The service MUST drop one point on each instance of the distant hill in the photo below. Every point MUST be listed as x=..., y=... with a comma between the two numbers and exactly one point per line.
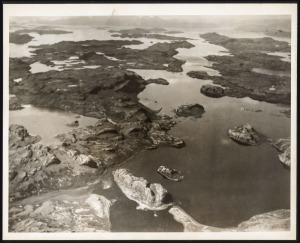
x=248, y=23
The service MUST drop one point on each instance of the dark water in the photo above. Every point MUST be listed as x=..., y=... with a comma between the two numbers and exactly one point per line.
x=225, y=183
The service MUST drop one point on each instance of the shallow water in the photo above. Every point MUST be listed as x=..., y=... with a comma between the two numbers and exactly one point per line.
x=47, y=122
x=225, y=183
x=272, y=72
x=286, y=56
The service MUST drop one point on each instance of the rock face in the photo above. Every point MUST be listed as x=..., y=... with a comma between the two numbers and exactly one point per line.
x=278, y=220
x=212, y=91
x=194, y=110
x=148, y=196
x=245, y=135
x=62, y=215
x=284, y=145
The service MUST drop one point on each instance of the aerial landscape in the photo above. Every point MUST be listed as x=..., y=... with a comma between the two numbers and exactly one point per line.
x=149, y=124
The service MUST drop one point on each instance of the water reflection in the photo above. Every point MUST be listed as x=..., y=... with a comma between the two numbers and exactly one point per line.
x=47, y=122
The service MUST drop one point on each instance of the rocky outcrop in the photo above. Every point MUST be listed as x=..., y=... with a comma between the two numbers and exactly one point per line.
x=160, y=138
x=171, y=174
x=62, y=214
x=283, y=145
x=157, y=81
x=278, y=220
x=212, y=91
x=145, y=33
x=114, y=141
x=198, y=74
x=130, y=82
x=19, y=136
x=194, y=110
x=33, y=167
x=245, y=135
x=190, y=224
x=148, y=196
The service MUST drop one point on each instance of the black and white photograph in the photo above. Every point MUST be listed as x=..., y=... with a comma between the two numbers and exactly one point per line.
x=149, y=121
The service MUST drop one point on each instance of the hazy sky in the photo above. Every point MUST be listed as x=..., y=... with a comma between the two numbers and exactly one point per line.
x=192, y=21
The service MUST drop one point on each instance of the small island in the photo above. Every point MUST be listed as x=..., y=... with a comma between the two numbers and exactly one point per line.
x=171, y=174
x=145, y=33
x=19, y=39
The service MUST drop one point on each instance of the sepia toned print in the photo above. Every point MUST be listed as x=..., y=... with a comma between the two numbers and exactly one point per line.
x=153, y=123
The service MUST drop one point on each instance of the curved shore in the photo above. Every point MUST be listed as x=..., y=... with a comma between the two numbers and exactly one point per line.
x=278, y=220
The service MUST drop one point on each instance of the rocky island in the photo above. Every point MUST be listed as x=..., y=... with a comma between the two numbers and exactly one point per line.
x=245, y=135
x=19, y=39
x=43, y=31
x=146, y=33
x=171, y=174
x=212, y=91
x=283, y=145
x=194, y=110
x=148, y=196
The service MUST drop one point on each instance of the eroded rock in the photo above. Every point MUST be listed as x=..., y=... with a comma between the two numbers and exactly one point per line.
x=212, y=91
x=19, y=136
x=245, y=135
x=160, y=138
x=148, y=196
x=171, y=174
x=283, y=145
x=194, y=110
